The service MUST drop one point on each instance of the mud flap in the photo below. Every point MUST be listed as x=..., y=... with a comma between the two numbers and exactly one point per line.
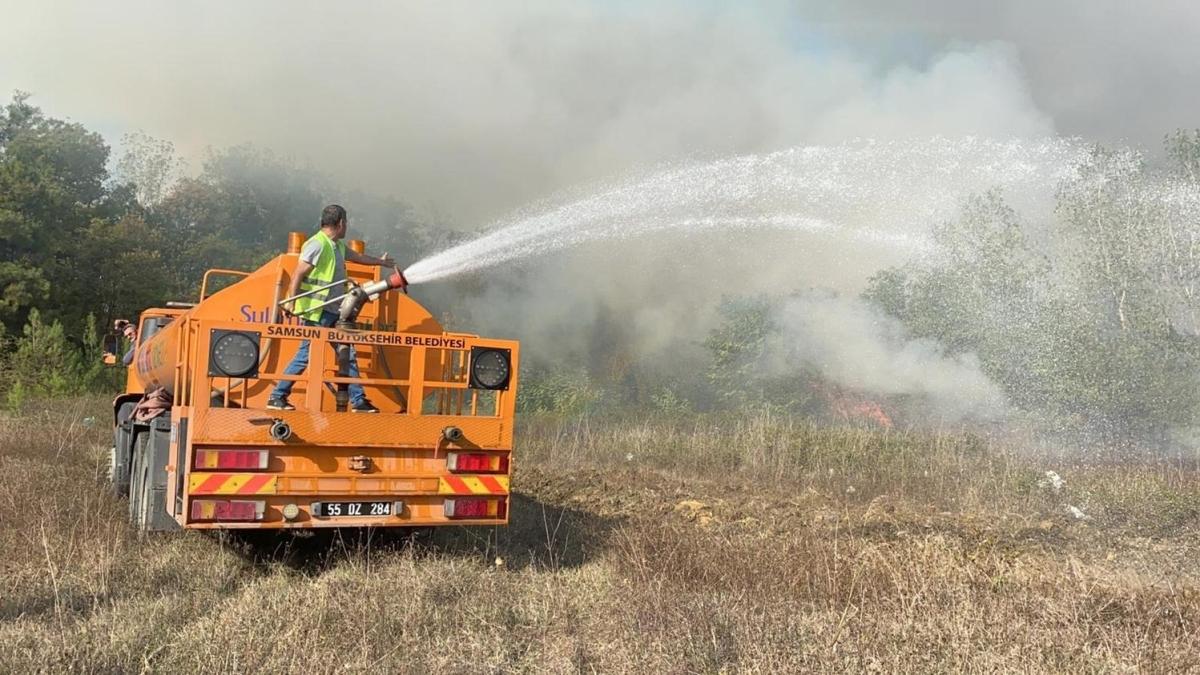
x=148, y=488
x=122, y=450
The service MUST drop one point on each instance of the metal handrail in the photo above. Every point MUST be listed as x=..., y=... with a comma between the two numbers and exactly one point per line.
x=310, y=292
x=204, y=283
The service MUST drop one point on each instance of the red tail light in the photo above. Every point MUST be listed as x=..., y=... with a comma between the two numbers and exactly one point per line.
x=476, y=462
x=475, y=508
x=232, y=459
x=222, y=510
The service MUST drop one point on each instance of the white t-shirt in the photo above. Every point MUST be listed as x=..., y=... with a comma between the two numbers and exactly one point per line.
x=312, y=251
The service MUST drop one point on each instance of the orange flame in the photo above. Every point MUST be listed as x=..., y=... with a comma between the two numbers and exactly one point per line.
x=852, y=407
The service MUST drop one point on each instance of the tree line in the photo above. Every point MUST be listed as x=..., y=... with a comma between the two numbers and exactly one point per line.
x=81, y=246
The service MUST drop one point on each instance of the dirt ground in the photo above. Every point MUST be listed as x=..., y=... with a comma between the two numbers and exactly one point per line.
x=644, y=547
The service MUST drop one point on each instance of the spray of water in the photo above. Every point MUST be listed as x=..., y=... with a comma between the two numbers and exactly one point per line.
x=886, y=193
x=1063, y=196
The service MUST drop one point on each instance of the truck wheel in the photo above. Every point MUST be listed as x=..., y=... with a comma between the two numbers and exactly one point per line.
x=137, y=477
x=118, y=470
x=114, y=474
x=142, y=518
x=147, y=489
x=121, y=453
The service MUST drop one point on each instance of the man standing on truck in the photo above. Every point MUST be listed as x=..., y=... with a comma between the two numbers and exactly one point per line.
x=323, y=262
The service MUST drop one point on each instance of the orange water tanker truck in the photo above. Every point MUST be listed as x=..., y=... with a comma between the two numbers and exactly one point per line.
x=196, y=447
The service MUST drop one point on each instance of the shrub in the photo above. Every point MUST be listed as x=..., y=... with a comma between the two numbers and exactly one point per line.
x=563, y=391
x=44, y=362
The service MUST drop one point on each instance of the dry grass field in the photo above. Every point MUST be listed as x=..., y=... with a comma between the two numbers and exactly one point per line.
x=761, y=545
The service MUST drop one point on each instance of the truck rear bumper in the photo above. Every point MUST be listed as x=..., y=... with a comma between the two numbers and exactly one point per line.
x=313, y=512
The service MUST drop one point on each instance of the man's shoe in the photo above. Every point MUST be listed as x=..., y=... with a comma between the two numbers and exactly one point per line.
x=364, y=407
x=278, y=403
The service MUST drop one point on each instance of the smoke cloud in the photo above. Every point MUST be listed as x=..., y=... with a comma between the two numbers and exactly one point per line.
x=473, y=109
x=853, y=344
x=1107, y=70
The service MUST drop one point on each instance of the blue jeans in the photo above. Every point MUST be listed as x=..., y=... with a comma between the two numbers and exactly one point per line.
x=300, y=362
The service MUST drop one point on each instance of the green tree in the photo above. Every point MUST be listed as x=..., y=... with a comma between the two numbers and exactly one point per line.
x=130, y=273
x=43, y=363
x=237, y=214
x=1128, y=278
x=983, y=293
x=737, y=345
x=1086, y=336
x=150, y=165
x=52, y=177
x=1183, y=149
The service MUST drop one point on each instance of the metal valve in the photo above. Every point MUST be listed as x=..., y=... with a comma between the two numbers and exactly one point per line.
x=280, y=430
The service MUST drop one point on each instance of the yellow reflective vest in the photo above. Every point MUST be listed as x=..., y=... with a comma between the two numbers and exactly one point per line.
x=320, y=275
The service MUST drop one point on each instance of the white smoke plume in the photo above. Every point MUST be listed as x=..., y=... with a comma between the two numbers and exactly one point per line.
x=473, y=109
x=853, y=344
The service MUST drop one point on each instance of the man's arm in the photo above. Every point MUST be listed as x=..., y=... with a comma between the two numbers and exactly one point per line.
x=363, y=259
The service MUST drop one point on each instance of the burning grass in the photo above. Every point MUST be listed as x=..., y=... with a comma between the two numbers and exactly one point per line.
x=760, y=544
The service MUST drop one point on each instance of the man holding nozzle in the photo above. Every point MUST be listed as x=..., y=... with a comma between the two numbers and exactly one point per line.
x=323, y=266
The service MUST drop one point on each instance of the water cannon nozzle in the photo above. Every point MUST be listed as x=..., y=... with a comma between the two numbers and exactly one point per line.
x=397, y=281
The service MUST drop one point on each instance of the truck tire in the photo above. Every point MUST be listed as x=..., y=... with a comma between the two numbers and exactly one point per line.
x=145, y=502
x=148, y=483
x=121, y=453
x=136, y=478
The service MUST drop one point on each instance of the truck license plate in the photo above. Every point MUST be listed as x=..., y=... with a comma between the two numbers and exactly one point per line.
x=336, y=509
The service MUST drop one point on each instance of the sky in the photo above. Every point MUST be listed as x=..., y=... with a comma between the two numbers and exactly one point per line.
x=473, y=110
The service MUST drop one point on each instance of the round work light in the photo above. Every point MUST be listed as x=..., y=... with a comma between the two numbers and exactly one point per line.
x=234, y=354
x=490, y=368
